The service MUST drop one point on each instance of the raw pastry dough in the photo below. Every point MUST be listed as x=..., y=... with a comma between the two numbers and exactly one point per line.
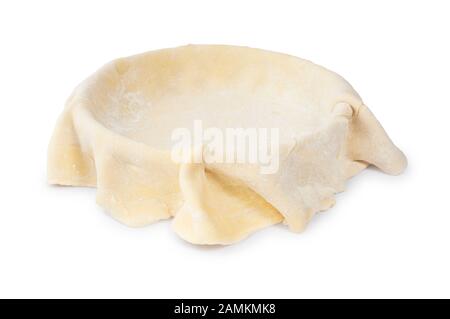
x=115, y=134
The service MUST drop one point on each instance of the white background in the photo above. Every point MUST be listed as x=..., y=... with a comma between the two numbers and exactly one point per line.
x=386, y=237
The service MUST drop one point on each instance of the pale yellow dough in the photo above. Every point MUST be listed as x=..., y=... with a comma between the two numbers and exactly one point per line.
x=115, y=131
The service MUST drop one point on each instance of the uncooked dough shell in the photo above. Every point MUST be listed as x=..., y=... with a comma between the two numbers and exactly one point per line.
x=114, y=134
